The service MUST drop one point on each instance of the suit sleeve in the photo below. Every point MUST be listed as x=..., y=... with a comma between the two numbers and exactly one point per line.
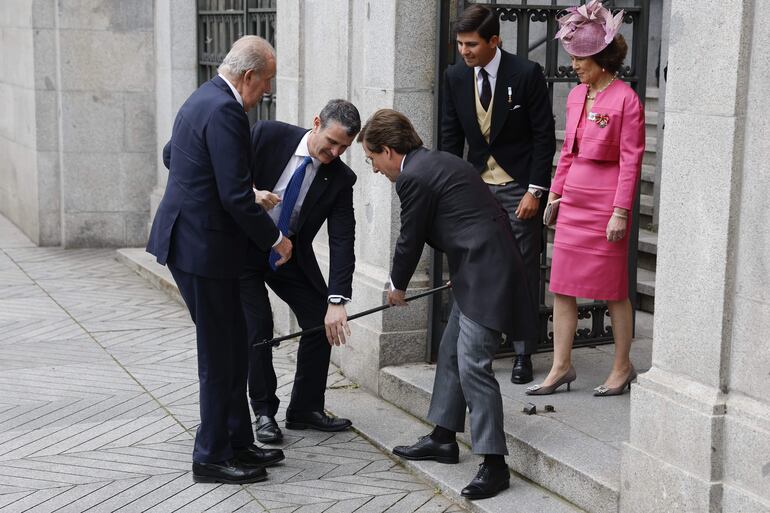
x=341, y=226
x=227, y=138
x=632, y=140
x=542, y=129
x=452, y=135
x=167, y=155
x=416, y=205
x=562, y=168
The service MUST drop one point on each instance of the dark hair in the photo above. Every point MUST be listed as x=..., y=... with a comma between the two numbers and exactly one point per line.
x=481, y=19
x=611, y=58
x=343, y=113
x=390, y=128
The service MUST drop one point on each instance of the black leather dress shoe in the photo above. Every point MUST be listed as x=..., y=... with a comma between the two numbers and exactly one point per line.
x=428, y=449
x=230, y=472
x=489, y=481
x=522, y=369
x=254, y=456
x=267, y=430
x=315, y=420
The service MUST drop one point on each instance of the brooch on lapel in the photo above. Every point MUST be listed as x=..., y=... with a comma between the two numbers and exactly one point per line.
x=600, y=119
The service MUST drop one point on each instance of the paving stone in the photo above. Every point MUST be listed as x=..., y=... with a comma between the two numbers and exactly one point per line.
x=99, y=404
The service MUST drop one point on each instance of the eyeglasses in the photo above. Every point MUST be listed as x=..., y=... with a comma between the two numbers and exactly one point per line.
x=368, y=161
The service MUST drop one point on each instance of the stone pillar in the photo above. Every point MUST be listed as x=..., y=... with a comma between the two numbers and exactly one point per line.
x=176, y=76
x=700, y=418
x=375, y=54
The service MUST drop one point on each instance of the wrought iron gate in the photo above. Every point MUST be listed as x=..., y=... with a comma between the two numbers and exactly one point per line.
x=220, y=24
x=532, y=27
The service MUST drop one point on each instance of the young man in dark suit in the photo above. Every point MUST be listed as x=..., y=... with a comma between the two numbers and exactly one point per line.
x=498, y=103
x=302, y=183
x=201, y=231
x=445, y=204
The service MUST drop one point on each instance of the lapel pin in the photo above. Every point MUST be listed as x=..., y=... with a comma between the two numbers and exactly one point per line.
x=510, y=94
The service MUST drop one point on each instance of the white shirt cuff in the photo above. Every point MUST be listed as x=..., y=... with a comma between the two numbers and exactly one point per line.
x=279, y=239
x=532, y=186
x=338, y=296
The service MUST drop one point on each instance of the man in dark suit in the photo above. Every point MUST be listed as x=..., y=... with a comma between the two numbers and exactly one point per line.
x=498, y=103
x=201, y=232
x=445, y=204
x=324, y=193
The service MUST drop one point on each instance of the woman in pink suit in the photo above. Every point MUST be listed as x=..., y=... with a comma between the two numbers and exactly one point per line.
x=595, y=183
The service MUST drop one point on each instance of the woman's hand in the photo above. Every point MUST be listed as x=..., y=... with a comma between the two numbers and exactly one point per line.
x=552, y=196
x=616, y=226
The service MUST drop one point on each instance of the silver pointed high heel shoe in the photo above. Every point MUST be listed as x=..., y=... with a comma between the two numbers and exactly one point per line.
x=604, y=390
x=568, y=378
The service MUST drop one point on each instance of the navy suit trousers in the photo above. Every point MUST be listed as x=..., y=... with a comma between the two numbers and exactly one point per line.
x=309, y=305
x=215, y=308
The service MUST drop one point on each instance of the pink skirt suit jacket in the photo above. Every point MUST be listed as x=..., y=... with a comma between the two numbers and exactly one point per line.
x=598, y=170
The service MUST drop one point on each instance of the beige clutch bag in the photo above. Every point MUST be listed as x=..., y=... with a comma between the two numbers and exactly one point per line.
x=551, y=211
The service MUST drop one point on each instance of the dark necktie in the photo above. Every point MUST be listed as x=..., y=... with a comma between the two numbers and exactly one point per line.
x=290, y=196
x=486, y=89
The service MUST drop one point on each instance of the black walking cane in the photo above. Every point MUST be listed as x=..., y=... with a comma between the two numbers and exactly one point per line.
x=276, y=341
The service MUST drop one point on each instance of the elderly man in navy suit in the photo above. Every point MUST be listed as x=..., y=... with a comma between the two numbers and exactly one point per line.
x=300, y=179
x=201, y=231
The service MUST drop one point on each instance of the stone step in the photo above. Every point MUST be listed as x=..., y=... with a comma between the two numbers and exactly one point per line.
x=402, y=428
x=580, y=468
x=647, y=184
x=652, y=95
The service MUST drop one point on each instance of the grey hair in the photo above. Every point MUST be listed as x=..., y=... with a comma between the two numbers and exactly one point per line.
x=248, y=52
x=343, y=113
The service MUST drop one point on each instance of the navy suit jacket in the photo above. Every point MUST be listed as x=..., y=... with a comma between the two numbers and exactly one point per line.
x=208, y=213
x=522, y=137
x=329, y=199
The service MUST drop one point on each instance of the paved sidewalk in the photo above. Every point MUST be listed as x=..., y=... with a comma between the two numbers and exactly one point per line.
x=98, y=403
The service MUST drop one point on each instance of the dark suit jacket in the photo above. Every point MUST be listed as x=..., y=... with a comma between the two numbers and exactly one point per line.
x=522, y=139
x=445, y=203
x=208, y=213
x=329, y=199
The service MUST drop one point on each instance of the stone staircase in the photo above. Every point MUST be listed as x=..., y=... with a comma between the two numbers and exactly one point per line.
x=648, y=237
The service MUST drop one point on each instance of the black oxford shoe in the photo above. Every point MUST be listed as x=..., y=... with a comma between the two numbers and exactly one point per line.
x=489, y=481
x=522, y=369
x=315, y=420
x=229, y=472
x=428, y=449
x=254, y=456
x=267, y=430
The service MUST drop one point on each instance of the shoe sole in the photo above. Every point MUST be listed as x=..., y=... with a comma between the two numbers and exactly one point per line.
x=486, y=495
x=211, y=479
x=522, y=381
x=440, y=459
x=269, y=439
x=302, y=425
x=267, y=463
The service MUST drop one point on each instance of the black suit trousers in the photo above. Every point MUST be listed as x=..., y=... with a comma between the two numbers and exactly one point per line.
x=309, y=306
x=215, y=309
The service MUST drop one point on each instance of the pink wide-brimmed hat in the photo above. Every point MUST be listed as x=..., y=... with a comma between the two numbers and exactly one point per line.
x=587, y=29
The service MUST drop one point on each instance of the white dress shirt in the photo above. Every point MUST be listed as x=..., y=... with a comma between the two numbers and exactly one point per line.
x=280, y=187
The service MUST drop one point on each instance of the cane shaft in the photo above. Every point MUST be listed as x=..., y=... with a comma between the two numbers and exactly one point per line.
x=277, y=340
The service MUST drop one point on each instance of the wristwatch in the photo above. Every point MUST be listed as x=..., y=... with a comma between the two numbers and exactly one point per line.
x=337, y=301
x=537, y=193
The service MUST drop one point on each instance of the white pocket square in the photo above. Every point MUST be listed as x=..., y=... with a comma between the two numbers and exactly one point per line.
x=515, y=107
